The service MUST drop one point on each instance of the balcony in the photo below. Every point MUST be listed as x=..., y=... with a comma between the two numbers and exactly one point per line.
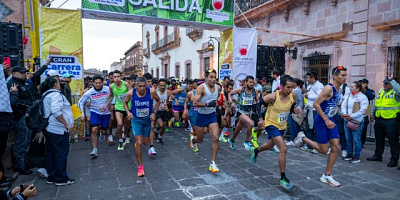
x=246, y=5
x=166, y=43
x=194, y=33
x=254, y=9
x=146, y=53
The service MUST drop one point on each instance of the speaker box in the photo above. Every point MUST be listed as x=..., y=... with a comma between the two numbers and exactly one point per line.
x=15, y=59
x=11, y=37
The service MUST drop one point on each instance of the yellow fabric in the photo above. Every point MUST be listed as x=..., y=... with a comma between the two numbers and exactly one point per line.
x=386, y=101
x=76, y=112
x=278, y=112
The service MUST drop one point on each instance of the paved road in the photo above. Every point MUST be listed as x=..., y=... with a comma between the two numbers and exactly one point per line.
x=178, y=173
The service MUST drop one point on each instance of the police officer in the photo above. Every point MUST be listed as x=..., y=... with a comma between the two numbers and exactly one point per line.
x=386, y=113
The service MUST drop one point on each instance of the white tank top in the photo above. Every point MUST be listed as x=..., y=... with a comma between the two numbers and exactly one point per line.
x=163, y=100
x=207, y=98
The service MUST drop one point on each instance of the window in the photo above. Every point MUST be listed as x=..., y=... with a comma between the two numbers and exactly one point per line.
x=188, y=72
x=158, y=73
x=177, y=72
x=393, y=64
x=318, y=63
x=165, y=31
x=152, y=72
x=166, y=70
x=206, y=64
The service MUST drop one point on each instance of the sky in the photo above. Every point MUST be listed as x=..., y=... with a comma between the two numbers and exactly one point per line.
x=104, y=42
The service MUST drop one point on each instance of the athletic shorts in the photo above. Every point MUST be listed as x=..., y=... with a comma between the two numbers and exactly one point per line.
x=204, y=120
x=120, y=111
x=99, y=120
x=322, y=133
x=192, y=119
x=177, y=108
x=272, y=132
x=163, y=115
x=141, y=127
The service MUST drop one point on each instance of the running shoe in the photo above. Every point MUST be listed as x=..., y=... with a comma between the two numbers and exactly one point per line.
x=159, y=140
x=275, y=149
x=121, y=146
x=170, y=122
x=314, y=151
x=226, y=134
x=214, y=168
x=255, y=143
x=68, y=182
x=110, y=140
x=93, y=153
x=232, y=144
x=43, y=173
x=290, y=143
x=253, y=157
x=193, y=146
x=222, y=139
x=140, y=171
x=177, y=125
x=355, y=160
x=299, y=139
x=329, y=151
x=305, y=148
x=286, y=184
x=329, y=180
x=348, y=157
x=344, y=153
x=247, y=145
x=127, y=140
x=166, y=130
x=152, y=151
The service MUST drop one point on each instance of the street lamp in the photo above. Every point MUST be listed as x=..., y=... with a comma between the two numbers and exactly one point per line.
x=288, y=50
x=211, y=48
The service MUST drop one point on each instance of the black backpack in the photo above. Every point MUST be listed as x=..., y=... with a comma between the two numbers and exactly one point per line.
x=35, y=119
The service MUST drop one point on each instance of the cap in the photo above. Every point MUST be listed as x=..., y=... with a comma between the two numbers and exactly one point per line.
x=19, y=69
x=67, y=75
x=267, y=88
x=386, y=81
x=52, y=73
x=364, y=80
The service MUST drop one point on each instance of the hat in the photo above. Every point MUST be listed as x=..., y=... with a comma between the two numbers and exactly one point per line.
x=67, y=75
x=19, y=69
x=52, y=73
x=364, y=80
x=267, y=88
x=386, y=81
x=264, y=79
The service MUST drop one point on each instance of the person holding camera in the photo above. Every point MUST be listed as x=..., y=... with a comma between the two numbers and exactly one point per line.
x=19, y=193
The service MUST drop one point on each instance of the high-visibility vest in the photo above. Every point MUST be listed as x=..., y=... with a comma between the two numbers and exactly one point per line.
x=386, y=105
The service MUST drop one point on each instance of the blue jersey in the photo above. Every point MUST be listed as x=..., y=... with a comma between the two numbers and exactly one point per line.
x=142, y=107
x=330, y=106
x=192, y=109
x=181, y=97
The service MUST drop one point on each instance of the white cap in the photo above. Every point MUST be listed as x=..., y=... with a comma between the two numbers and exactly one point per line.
x=52, y=73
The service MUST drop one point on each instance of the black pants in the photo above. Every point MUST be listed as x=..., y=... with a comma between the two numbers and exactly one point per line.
x=3, y=145
x=389, y=128
x=57, y=149
x=365, y=129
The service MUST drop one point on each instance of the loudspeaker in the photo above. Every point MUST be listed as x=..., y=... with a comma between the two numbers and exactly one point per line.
x=11, y=37
x=15, y=59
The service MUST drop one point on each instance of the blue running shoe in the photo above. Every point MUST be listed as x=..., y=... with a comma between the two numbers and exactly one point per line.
x=232, y=144
x=253, y=157
x=247, y=145
x=286, y=184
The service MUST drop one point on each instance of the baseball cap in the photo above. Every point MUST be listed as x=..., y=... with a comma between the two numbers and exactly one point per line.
x=267, y=88
x=67, y=75
x=364, y=80
x=386, y=81
x=19, y=69
x=52, y=73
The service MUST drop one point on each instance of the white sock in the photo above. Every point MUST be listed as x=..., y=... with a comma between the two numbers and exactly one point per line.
x=233, y=121
x=223, y=131
x=121, y=140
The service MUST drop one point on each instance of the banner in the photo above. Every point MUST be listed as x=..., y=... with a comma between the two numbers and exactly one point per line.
x=244, y=53
x=207, y=14
x=226, y=54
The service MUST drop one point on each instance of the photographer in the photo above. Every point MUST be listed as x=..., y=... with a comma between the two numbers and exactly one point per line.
x=17, y=194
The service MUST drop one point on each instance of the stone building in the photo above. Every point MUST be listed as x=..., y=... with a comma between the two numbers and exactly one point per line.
x=132, y=63
x=362, y=35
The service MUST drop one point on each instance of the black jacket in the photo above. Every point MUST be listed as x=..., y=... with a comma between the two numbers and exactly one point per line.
x=25, y=96
x=370, y=94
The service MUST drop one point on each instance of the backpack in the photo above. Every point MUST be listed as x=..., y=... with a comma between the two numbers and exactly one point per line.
x=35, y=119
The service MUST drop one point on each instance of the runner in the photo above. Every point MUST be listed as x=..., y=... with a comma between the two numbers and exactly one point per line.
x=247, y=95
x=192, y=111
x=205, y=100
x=142, y=114
x=172, y=86
x=149, y=83
x=100, y=97
x=276, y=118
x=120, y=89
x=178, y=101
x=113, y=122
x=327, y=133
x=224, y=117
x=162, y=115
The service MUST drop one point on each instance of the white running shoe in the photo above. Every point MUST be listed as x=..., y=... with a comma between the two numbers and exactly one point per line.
x=329, y=180
x=298, y=141
x=275, y=149
x=43, y=173
x=94, y=152
x=213, y=167
x=314, y=151
x=290, y=143
x=127, y=140
x=344, y=153
x=329, y=151
x=152, y=151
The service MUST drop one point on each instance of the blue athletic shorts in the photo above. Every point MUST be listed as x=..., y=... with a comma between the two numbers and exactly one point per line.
x=177, y=108
x=272, y=131
x=99, y=120
x=192, y=119
x=322, y=133
x=203, y=120
x=141, y=127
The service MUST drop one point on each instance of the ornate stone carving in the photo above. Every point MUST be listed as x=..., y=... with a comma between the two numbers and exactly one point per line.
x=306, y=7
x=334, y=2
x=384, y=45
x=286, y=14
x=267, y=21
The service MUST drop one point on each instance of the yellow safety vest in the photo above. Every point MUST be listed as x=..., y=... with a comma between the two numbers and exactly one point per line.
x=386, y=105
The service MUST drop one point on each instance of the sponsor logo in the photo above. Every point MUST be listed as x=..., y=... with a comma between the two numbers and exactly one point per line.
x=218, y=5
x=216, y=14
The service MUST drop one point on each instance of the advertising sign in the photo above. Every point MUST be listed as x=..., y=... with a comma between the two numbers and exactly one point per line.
x=225, y=72
x=65, y=64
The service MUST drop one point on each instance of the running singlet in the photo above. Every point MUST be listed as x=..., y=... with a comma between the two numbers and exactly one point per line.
x=208, y=96
x=192, y=109
x=97, y=100
x=278, y=112
x=181, y=97
x=163, y=100
x=246, y=101
x=119, y=95
x=142, y=107
x=330, y=106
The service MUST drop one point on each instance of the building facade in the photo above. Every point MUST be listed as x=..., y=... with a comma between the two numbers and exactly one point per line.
x=362, y=35
x=178, y=52
x=132, y=63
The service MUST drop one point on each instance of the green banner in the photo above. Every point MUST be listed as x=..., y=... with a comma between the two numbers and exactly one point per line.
x=189, y=13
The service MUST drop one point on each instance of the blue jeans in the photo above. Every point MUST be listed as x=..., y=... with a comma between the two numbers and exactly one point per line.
x=22, y=140
x=57, y=150
x=339, y=121
x=353, y=137
x=294, y=128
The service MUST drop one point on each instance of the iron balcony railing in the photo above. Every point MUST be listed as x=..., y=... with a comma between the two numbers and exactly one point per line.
x=246, y=5
x=190, y=30
x=164, y=41
x=145, y=51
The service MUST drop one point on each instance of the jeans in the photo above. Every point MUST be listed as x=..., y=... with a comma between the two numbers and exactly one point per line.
x=22, y=139
x=389, y=128
x=3, y=146
x=339, y=121
x=364, y=130
x=294, y=128
x=57, y=149
x=353, y=137
x=310, y=134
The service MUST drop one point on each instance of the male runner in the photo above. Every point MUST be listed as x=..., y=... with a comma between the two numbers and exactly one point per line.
x=178, y=101
x=142, y=114
x=149, y=83
x=113, y=122
x=247, y=95
x=225, y=116
x=162, y=115
x=205, y=100
x=120, y=89
x=327, y=133
x=100, y=97
x=192, y=111
x=276, y=118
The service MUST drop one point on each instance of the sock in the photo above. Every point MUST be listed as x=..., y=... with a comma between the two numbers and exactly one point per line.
x=256, y=152
x=283, y=175
x=223, y=131
x=121, y=140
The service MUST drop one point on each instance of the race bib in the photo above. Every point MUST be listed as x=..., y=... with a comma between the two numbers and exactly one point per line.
x=121, y=97
x=181, y=99
x=144, y=112
x=247, y=101
x=283, y=117
x=332, y=111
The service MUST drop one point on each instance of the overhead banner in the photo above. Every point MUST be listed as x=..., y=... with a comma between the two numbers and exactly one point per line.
x=244, y=53
x=226, y=54
x=207, y=14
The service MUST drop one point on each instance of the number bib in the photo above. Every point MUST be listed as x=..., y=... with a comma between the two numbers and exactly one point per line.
x=144, y=112
x=121, y=97
x=247, y=101
x=162, y=105
x=332, y=111
x=283, y=117
x=181, y=99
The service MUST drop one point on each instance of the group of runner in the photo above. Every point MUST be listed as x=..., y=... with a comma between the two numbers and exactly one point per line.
x=207, y=106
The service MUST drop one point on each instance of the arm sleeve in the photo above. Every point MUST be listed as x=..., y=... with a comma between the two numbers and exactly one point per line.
x=56, y=105
x=396, y=87
x=82, y=101
x=14, y=96
x=39, y=72
x=363, y=108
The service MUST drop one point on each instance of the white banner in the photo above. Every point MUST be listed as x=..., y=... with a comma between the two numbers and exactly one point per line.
x=244, y=53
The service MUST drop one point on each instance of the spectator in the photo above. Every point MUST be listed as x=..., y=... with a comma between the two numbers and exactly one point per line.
x=344, y=91
x=66, y=80
x=59, y=113
x=16, y=194
x=276, y=83
x=264, y=82
x=371, y=96
x=257, y=85
x=294, y=126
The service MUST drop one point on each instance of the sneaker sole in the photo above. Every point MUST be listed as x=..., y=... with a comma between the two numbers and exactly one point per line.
x=212, y=171
x=64, y=184
x=93, y=155
x=329, y=183
x=49, y=183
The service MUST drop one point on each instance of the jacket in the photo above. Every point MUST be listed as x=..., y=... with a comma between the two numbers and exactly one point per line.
x=25, y=99
x=348, y=105
x=54, y=105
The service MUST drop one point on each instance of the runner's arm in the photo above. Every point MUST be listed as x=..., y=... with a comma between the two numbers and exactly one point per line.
x=197, y=96
x=82, y=102
x=236, y=91
x=187, y=100
x=110, y=98
x=155, y=96
x=296, y=106
x=178, y=90
x=126, y=101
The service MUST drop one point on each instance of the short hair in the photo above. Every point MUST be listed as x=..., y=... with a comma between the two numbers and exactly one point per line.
x=312, y=75
x=230, y=84
x=116, y=72
x=226, y=77
x=111, y=73
x=162, y=80
x=249, y=78
x=95, y=77
x=285, y=79
x=148, y=76
x=208, y=72
x=276, y=72
x=154, y=81
x=133, y=77
x=336, y=71
x=140, y=79
x=190, y=82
